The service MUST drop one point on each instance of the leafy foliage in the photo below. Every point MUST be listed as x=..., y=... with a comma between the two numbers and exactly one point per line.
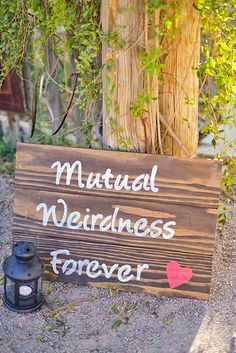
x=217, y=72
x=70, y=29
x=15, y=27
x=7, y=155
x=7, y=149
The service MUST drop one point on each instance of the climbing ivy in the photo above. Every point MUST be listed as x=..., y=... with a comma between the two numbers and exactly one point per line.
x=15, y=26
x=74, y=25
x=73, y=28
x=151, y=57
x=217, y=72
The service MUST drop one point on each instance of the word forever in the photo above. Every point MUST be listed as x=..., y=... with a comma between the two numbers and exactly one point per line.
x=93, y=269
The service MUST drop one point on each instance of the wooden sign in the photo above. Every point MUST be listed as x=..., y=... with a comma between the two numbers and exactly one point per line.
x=141, y=222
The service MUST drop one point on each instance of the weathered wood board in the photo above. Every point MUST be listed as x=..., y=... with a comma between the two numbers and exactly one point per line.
x=140, y=222
x=11, y=98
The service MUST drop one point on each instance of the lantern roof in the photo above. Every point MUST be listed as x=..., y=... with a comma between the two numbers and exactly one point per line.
x=23, y=264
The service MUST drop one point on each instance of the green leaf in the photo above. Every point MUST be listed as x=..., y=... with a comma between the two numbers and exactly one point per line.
x=114, y=309
x=213, y=142
x=212, y=62
x=224, y=45
x=205, y=130
x=205, y=51
x=168, y=23
x=116, y=323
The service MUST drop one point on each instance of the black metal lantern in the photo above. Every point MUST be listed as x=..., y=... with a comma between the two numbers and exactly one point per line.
x=23, y=278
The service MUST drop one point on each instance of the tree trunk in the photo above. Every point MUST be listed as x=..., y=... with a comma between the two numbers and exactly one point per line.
x=169, y=125
x=122, y=77
x=179, y=93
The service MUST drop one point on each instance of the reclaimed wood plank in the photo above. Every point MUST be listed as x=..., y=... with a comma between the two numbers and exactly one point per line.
x=180, y=181
x=153, y=281
x=194, y=230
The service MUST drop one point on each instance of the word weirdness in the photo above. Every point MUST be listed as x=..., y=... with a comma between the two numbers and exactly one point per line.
x=88, y=222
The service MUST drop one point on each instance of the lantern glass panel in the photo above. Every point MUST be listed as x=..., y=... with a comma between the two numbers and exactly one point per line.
x=28, y=293
x=10, y=290
x=40, y=286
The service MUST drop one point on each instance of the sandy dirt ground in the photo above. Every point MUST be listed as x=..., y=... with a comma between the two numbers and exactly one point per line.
x=115, y=322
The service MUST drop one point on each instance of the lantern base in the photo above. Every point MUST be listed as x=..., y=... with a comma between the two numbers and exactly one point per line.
x=21, y=310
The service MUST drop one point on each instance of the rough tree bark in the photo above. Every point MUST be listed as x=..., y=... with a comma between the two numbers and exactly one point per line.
x=169, y=125
x=179, y=93
x=122, y=78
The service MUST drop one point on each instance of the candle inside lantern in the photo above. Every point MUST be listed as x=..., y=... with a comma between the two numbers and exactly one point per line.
x=25, y=290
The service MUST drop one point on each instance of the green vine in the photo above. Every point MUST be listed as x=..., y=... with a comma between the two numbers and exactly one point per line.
x=217, y=72
x=73, y=29
x=15, y=26
x=80, y=31
x=150, y=57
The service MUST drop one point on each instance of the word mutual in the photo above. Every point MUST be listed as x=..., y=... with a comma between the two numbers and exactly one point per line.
x=145, y=181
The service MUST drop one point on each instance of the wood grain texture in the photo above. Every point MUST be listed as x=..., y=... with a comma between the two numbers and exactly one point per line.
x=194, y=227
x=122, y=69
x=11, y=98
x=180, y=82
x=188, y=194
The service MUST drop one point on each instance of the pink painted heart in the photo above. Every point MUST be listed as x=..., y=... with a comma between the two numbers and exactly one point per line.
x=177, y=275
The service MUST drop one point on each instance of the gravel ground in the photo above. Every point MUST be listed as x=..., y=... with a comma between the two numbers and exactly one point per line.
x=123, y=322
